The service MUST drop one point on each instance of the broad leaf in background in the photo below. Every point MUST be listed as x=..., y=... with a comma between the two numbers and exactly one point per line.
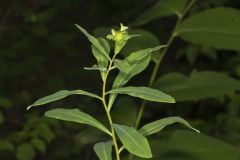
x=75, y=115
x=133, y=141
x=218, y=28
x=125, y=107
x=101, y=59
x=103, y=150
x=146, y=40
x=158, y=125
x=60, y=95
x=138, y=60
x=191, y=146
x=98, y=43
x=199, y=85
x=162, y=8
x=145, y=93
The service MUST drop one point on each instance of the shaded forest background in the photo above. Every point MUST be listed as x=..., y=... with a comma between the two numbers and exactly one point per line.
x=41, y=51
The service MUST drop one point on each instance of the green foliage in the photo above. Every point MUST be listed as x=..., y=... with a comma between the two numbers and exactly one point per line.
x=136, y=62
x=133, y=141
x=162, y=8
x=41, y=54
x=158, y=125
x=217, y=27
x=75, y=115
x=144, y=93
x=190, y=146
x=60, y=95
x=199, y=85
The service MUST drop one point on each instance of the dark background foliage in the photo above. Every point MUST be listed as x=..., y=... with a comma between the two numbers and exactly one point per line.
x=41, y=51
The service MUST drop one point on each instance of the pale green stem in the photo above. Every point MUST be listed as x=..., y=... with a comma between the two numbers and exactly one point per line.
x=106, y=108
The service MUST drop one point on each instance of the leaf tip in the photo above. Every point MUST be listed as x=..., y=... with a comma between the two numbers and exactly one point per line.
x=29, y=107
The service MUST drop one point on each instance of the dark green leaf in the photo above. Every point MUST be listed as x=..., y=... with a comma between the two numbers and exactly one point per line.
x=218, y=28
x=162, y=8
x=158, y=125
x=75, y=115
x=193, y=146
x=144, y=93
x=133, y=141
x=199, y=85
x=104, y=150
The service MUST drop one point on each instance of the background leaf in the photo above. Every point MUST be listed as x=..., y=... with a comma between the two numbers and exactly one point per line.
x=187, y=145
x=75, y=115
x=199, y=85
x=25, y=152
x=217, y=27
x=133, y=141
x=162, y=8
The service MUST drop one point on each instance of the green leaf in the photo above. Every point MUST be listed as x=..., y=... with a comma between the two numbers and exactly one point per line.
x=101, y=59
x=133, y=141
x=138, y=55
x=158, y=125
x=39, y=145
x=25, y=152
x=60, y=95
x=218, y=28
x=123, y=66
x=144, y=93
x=104, y=150
x=162, y=8
x=75, y=115
x=199, y=85
x=99, y=44
x=138, y=60
x=193, y=146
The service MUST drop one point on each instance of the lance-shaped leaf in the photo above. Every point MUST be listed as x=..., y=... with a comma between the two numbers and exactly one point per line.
x=75, y=115
x=138, y=60
x=158, y=125
x=101, y=59
x=104, y=150
x=123, y=66
x=218, y=28
x=162, y=8
x=60, y=95
x=99, y=44
x=133, y=141
x=144, y=93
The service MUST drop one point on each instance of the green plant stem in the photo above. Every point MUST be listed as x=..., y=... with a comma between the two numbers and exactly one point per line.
x=160, y=58
x=107, y=111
